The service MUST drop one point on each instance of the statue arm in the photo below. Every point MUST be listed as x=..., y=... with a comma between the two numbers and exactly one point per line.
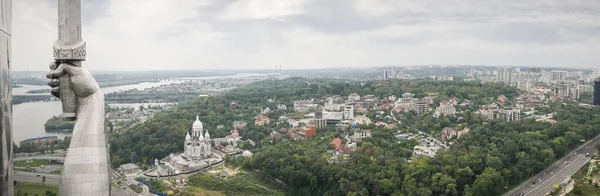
x=86, y=169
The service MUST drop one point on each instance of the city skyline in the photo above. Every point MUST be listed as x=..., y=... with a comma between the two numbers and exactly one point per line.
x=255, y=34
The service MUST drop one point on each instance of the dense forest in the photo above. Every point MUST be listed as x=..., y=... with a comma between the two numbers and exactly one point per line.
x=483, y=162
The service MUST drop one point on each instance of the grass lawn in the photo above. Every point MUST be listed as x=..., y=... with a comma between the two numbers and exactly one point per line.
x=200, y=192
x=34, y=163
x=58, y=171
x=31, y=188
x=582, y=182
x=249, y=184
x=26, y=170
x=136, y=188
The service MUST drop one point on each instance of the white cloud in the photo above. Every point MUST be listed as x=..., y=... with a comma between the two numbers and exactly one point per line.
x=248, y=34
x=263, y=9
x=386, y=7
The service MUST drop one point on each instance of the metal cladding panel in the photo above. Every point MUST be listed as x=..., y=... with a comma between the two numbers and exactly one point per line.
x=6, y=145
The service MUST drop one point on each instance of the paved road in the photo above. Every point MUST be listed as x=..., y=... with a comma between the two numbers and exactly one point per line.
x=114, y=191
x=53, y=179
x=557, y=173
x=33, y=177
x=49, y=168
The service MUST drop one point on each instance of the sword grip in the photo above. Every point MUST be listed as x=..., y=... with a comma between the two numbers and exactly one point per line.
x=68, y=98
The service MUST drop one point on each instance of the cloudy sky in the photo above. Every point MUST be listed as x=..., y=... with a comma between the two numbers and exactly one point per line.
x=257, y=34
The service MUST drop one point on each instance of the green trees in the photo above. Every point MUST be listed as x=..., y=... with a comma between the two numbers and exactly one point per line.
x=56, y=124
x=482, y=162
x=490, y=182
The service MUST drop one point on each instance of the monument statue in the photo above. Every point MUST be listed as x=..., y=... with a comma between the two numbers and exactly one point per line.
x=6, y=138
x=86, y=169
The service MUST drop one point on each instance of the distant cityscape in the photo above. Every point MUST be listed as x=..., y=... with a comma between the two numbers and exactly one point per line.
x=356, y=116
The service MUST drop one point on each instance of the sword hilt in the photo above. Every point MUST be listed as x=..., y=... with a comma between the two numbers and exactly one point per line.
x=68, y=98
x=73, y=53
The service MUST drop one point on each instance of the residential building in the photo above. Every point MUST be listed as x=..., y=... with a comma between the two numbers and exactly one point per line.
x=408, y=97
x=360, y=135
x=304, y=105
x=392, y=97
x=442, y=78
x=453, y=101
x=308, y=131
x=39, y=140
x=233, y=105
x=540, y=89
x=445, y=109
x=448, y=133
x=293, y=123
x=129, y=168
x=558, y=76
x=501, y=99
x=564, y=91
x=506, y=115
x=262, y=120
x=348, y=111
x=524, y=86
x=281, y=107
x=232, y=138
x=353, y=97
x=333, y=118
x=360, y=109
x=421, y=107
x=265, y=110
x=505, y=74
x=428, y=99
x=247, y=154
x=275, y=136
x=336, y=143
x=387, y=74
x=510, y=115
x=239, y=124
x=428, y=147
x=586, y=88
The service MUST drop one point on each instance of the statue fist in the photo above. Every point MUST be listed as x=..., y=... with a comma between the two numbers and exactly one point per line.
x=82, y=81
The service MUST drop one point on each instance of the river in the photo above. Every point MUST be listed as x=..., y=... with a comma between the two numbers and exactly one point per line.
x=29, y=118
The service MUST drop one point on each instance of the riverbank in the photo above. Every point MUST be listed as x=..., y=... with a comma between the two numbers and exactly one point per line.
x=101, y=84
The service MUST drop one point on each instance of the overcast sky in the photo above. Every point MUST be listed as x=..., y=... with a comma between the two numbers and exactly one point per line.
x=257, y=34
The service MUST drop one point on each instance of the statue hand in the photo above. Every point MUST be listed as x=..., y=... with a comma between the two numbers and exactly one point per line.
x=82, y=81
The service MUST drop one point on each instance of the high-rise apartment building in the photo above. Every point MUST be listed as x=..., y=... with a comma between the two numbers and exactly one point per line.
x=558, y=75
x=505, y=74
x=597, y=91
x=387, y=74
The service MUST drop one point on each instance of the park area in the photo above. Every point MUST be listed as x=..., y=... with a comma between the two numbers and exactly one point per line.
x=31, y=163
x=31, y=189
x=225, y=173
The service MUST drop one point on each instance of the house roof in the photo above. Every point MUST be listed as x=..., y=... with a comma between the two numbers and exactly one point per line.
x=336, y=141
